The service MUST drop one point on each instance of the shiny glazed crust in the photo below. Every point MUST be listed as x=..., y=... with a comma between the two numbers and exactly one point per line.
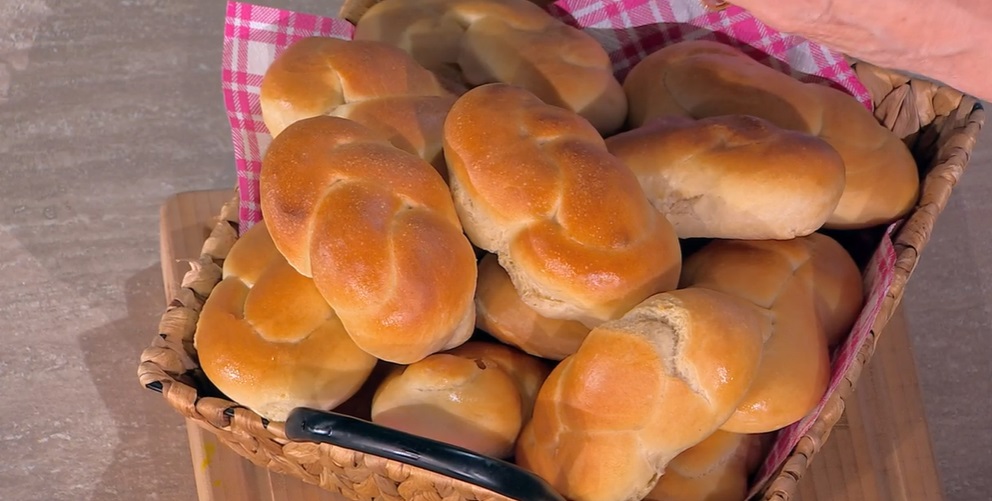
x=372, y=83
x=534, y=184
x=808, y=304
x=376, y=229
x=640, y=391
x=266, y=356
x=475, y=42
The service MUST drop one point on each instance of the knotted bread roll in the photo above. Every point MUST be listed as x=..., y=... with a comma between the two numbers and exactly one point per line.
x=269, y=357
x=641, y=390
x=376, y=229
x=534, y=184
x=733, y=176
x=715, y=469
x=372, y=83
x=476, y=396
x=501, y=313
x=787, y=279
x=475, y=42
x=701, y=79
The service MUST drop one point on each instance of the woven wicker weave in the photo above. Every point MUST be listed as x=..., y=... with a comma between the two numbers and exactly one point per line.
x=939, y=124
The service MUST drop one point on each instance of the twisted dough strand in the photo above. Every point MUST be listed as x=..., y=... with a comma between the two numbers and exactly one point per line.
x=641, y=390
x=534, y=184
x=475, y=42
x=376, y=229
x=372, y=83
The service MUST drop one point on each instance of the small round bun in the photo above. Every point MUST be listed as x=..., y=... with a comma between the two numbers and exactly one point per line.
x=733, y=176
x=501, y=313
x=266, y=356
x=475, y=42
x=527, y=371
x=468, y=402
x=641, y=390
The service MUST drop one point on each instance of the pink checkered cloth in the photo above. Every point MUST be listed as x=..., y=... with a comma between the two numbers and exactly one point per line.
x=628, y=30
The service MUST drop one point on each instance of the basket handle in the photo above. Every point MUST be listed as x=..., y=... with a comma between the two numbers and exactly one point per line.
x=501, y=477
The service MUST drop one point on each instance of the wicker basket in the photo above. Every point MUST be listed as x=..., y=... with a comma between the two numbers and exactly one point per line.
x=939, y=124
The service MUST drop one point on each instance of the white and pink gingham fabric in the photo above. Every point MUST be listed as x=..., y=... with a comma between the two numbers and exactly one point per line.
x=628, y=30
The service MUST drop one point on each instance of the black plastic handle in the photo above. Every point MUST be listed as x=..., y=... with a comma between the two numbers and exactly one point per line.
x=498, y=476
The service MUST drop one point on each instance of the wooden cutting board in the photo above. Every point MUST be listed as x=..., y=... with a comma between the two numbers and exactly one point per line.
x=879, y=451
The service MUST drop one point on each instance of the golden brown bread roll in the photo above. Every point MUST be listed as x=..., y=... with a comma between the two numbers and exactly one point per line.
x=640, y=390
x=534, y=184
x=372, y=83
x=376, y=229
x=266, y=356
x=475, y=42
x=733, y=176
x=527, y=371
x=464, y=401
x=782, y=277
x=715, y=469
x=501, y=313
x=702, y=79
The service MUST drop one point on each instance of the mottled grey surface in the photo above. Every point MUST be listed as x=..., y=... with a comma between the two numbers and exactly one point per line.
x=106, y=108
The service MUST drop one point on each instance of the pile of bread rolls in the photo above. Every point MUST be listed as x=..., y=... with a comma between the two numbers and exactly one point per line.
x=465, y=197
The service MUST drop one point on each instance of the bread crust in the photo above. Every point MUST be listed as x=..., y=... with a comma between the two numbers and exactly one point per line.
x=475, y=42
x=640, y=391
x=461, y=399
x=372, y=83
x=534, y=184
x=264, y=356
x=702, y=78
x=733, y=176
x=376, y=229
x=501, y=313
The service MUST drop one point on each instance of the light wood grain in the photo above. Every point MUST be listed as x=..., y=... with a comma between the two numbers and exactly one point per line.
x=881, y=447
x=879, y=451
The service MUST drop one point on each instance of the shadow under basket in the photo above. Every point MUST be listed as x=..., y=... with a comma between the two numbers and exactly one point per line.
x=362, y=461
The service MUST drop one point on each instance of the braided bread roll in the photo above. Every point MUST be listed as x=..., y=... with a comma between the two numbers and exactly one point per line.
x=266, y=356
x=376, y=229
x=641, y=390
x=733, y=176
x=501, y=313
x=534, y=184
x=701, y=79
x=374, y=84
x=787, y=278
x=475, y=42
